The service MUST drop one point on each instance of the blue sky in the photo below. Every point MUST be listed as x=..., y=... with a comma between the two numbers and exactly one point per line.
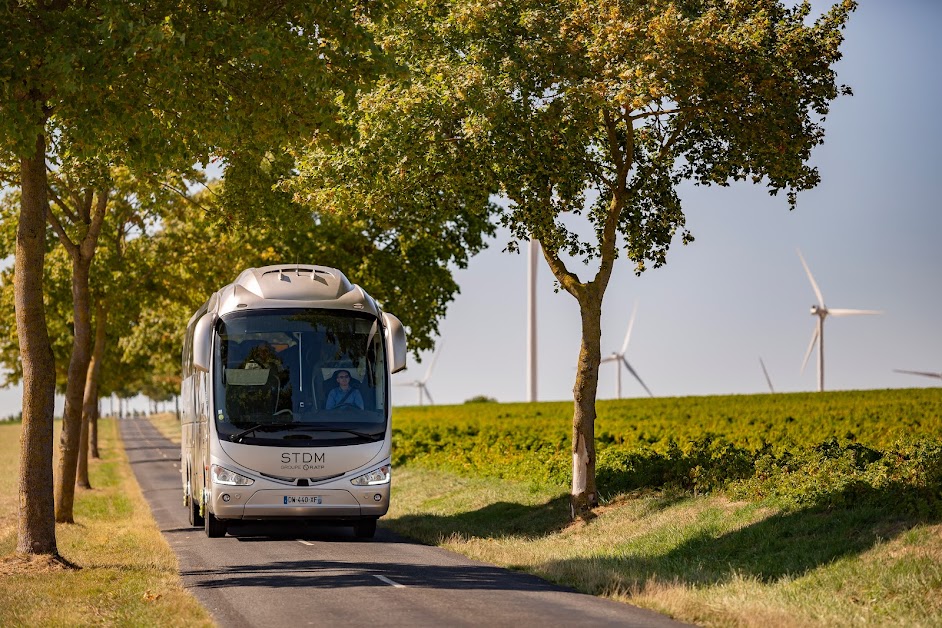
x=871, y=233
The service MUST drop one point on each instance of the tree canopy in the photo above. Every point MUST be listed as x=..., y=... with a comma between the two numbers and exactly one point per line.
x=152, y=86
x=596, y=109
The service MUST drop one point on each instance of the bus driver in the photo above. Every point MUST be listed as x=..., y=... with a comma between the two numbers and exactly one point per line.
x=343, y=394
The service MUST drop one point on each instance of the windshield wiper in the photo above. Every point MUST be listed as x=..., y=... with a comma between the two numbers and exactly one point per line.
x=265, y=427
x=366, y=435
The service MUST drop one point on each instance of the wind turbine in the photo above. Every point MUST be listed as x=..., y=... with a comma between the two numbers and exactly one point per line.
x=767, y=378
x=619, y=358
x=821, y=311
x=420, y=384
x=922, y=373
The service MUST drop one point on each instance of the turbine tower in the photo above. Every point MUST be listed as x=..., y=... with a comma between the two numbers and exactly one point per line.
x=767, y=378
x=420, y=384
x=620, y=359
x=822, y=312
x=532, y=262
x=922, y=373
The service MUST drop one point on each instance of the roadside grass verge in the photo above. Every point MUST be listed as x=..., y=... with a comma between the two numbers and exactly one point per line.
x=128, y=575
x=705, y=559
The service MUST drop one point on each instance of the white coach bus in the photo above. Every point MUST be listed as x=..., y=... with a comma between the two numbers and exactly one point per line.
x=285, y=397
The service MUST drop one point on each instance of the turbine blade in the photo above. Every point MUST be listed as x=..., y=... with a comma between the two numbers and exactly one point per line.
x=428, y=396
x=767, y=378
x=434, y=359
x=844, y=312
x=637, y=377
x=922, y=373
x=814, y=284
x=631, y=323
x=814, y=339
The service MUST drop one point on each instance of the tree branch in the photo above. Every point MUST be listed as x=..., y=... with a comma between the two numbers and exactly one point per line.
x=609, y=235
x=73, y=218
x=569, y=281
x=185, y=196
x=673, y=137
x=71, y=248
x=60, y=231
x=85, y=209
x=608, y=241
x=613, y=145
x=90, y=242
x=658, y=113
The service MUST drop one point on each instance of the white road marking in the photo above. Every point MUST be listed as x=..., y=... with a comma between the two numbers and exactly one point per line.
x=389, y=582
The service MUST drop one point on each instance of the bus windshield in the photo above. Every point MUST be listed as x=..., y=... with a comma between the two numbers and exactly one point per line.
x=296, y=377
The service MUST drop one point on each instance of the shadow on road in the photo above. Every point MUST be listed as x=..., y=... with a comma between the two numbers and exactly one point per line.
x=331, y=574
x=169, y=447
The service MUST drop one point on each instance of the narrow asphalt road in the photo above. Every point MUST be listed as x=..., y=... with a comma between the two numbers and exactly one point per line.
x=295, y=575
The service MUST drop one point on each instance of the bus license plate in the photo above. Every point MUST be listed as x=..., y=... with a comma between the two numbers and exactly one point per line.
x=303, y=499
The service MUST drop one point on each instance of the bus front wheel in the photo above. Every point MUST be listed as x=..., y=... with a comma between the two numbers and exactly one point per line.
x=196, y=519
x=214, y=527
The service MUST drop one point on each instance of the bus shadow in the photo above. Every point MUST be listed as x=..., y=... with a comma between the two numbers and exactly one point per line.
x=331, y=574
x=311, y=531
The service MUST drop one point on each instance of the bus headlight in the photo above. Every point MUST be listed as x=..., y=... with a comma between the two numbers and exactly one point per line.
x=380, y=475
x=222, y=475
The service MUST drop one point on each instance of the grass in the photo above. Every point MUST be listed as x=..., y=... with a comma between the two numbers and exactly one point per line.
x=708, y=559
x=128, y=574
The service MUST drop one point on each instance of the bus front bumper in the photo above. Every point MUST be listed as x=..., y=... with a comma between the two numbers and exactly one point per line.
x=242, y=502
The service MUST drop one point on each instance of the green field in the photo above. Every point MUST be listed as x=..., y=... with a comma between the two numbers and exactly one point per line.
x=765, y=510
x=805, y=448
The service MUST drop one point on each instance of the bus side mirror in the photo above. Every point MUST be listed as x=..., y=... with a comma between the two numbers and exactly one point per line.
x=395, y=343
x=203, y=343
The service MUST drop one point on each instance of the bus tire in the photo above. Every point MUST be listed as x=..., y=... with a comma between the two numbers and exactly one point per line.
x=196, y=519
x=365, y=528
x=215, y=528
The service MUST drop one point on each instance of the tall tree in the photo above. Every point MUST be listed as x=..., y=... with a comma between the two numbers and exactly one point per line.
x=593, y=109
x=153, y=85
x=77, y=220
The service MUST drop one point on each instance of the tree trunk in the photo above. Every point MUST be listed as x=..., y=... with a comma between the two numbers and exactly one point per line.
x=584, y=496
x=90, y=402
x=81, y=471
x=93, y=431
x=75, y=391
x=36, y=529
